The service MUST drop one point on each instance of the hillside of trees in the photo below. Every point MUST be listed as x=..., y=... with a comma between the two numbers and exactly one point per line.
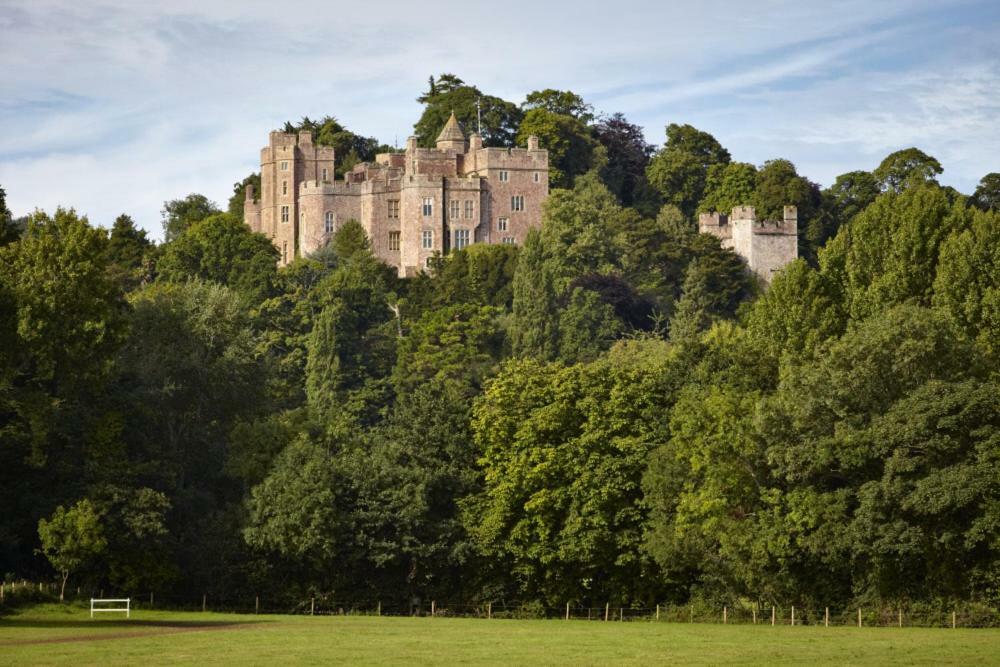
x=614, y=411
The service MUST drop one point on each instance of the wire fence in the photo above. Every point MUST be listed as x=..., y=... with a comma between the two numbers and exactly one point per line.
x=912, y=615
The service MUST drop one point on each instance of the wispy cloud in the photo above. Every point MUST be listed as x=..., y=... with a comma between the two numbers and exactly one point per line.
x=114, y=105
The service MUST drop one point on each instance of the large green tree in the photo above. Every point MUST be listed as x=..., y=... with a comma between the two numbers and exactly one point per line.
x=179, y=214
x=447, y=94
x=222, y=249
x=680, y=170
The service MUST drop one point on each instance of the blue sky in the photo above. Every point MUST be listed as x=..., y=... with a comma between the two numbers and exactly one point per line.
x=115, y=106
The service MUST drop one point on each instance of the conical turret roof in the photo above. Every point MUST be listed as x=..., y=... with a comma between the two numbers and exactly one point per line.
x=451, y=131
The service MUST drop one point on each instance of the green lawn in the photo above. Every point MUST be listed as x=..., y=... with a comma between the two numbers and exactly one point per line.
x=165, y=637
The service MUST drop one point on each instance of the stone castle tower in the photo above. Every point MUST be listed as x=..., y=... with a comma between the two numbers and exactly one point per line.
x=413, y=204
x=766, y=246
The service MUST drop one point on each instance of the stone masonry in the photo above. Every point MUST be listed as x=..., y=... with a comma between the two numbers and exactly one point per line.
x=413, y=204
x=766, y=246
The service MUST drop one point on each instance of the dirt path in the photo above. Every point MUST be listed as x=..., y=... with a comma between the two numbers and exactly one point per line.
x=165, y=629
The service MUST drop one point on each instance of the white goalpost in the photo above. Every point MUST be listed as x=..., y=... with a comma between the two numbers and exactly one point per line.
x=97, y=605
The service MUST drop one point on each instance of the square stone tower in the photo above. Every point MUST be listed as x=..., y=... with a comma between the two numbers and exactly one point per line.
x=766, y=246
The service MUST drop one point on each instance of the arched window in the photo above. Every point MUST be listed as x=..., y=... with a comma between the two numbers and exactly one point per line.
x=329, y=222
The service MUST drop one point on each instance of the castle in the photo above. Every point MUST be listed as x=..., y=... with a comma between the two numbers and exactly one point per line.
x=766, y=246
x=413, y=204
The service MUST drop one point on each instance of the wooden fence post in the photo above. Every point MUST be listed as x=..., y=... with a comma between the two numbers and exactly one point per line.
x=433, y=608
x=859, y=617
x=621, y=614
x=725, y=615
x=826, y=617
x=489, y=610
x=379, y=611
x=754, y=610
x=772, y=615
x=256, y=605
x=204, y=601
x=312, y=607
x=657, y=612
x=900, y=617
x=567, y=611
x=691, y=612
x=793, y=615
x=953, y=624
x=607, y=609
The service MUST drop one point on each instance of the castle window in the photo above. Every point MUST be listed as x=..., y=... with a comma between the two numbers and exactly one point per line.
x=393, y=209
x=284, y=187
x=453, y=209
x=284, y=214
x=504, y=175
x=461, y=238
x=508, y=240
x=538, y=177
x=324, y=174
x=470, y=208
x=284, y=166
x=502, y=225
x=427, y=239
x=428, y=206
x=517, y=203
x=328, y=223
x=393, y=240
x=284, y=252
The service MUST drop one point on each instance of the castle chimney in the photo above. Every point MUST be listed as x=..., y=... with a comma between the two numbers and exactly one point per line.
x=532, y=143
x=305, y=137
x=475, y=141
x=411, y=144
x=791, y=215
x=249, y=192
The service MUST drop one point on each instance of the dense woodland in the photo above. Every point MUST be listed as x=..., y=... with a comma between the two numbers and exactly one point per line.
x=615, y=411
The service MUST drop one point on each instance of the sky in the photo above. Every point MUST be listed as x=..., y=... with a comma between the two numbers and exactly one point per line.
x=115, y=106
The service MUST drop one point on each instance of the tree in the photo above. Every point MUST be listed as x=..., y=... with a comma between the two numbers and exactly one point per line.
x=128, y=253
x=628, y=155
x=779, y=185
x=679, y=171
x=500, y=119
x=967, y=281
x=299, y=512
x=71, y=538
x=987, y=194
x=351, y=348
x=563, y=450
x=567, y=140
x=728, y=186
x=8, y=230
x=850, y=194
x=906, y=168
x=179, y=214
x=888, y=254
x=222, y=249
x=562, y=102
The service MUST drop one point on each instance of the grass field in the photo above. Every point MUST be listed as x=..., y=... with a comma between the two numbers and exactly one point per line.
x=57, y=635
